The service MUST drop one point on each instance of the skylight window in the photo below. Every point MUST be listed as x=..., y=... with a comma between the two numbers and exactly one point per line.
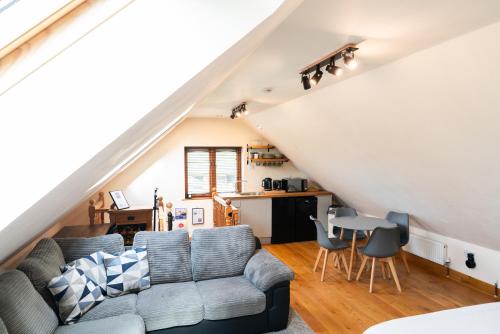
x=17, y=17
x=65, y=112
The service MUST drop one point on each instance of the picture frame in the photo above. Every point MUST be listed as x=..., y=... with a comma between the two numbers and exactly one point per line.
x=119, y=199
x=180, y=214
x=198, y=216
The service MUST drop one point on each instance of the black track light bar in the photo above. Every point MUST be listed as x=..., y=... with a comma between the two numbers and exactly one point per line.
x=324, y=61
x=239, y=110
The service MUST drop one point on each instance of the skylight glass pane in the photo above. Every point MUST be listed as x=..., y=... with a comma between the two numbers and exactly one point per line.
x=19, y=16
x=226, y=167
x=198, y=166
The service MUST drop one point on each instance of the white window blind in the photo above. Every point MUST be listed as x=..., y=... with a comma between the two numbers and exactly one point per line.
x=198, y=172
x=226, y=167
x=211, y=167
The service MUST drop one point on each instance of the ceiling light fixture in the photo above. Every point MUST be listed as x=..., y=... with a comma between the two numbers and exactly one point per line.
x=306, y=82
x=346, y=53
x=317, y=76
x=349, y=60
x=334, y=69
x=239, y=110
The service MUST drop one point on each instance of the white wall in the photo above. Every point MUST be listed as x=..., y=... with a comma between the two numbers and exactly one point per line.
x=163, y=165
x=419, y=135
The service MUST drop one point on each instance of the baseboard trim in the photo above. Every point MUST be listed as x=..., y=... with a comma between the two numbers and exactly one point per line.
x=452, y=274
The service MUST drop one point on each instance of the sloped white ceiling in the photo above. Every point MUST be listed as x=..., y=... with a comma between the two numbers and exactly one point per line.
x=419, y=135
x=114, y=92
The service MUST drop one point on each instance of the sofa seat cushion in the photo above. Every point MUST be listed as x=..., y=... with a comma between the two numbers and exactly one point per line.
x=170, y=305
x=168, y=255
x=221, y=252
x=123, y=324
x=230, y=297
x=112, y=307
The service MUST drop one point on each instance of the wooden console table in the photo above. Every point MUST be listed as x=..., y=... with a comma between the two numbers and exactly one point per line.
x=128, y=222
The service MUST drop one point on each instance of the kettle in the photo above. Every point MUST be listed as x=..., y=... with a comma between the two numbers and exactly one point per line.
x=267, y=183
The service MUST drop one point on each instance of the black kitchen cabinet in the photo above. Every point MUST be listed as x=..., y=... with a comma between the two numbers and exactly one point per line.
x=290, y=219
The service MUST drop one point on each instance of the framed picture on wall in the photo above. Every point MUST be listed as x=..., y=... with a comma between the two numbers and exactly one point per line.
x=180, y=213
x=119, y=199
x=198, y=216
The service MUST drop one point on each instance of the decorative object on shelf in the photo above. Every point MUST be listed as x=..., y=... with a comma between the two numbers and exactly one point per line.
x=170, y=216
x=155, y=210
x=180, y=213
x=239, y=110
x=198, y=216
x=264, y=159
x=97, y=209
x=119, y=199
x=346, y=52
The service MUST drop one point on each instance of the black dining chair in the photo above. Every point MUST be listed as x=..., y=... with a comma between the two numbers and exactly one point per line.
x=403, y=221
x=327, y=246
x=347, y=234
x=383, y=245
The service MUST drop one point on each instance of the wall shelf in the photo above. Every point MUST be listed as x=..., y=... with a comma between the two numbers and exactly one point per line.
x=269, y=160
x=260, y=147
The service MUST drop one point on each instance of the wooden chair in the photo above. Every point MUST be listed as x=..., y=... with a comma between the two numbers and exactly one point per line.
x=327, y=246
x=403, y=221
x=382, y=246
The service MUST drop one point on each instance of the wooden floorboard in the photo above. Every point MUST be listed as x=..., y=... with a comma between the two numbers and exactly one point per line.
x=338, y=306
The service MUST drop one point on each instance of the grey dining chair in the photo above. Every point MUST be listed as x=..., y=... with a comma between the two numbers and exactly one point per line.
x=403, y=221
x=383, y=245
x=327, y=246
x=347, y=234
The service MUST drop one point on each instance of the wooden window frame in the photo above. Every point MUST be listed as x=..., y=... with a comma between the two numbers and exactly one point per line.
x=213, y=169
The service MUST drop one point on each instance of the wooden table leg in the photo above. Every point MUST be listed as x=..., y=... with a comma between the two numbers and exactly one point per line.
x=353, y=249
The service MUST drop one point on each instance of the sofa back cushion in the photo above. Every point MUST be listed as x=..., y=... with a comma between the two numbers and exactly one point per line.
x=168, y=255
x=22, y=309
x=41, y=265
x=76, y=248
x=221, y=252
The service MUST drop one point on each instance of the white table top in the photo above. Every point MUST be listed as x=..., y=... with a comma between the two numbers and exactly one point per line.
x=359, y=223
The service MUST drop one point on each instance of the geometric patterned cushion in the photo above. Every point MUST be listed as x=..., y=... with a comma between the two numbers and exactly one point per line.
x=127, y=272
x=75, y=294
x=93, y=267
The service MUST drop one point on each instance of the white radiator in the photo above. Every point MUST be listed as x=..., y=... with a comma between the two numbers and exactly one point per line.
x=435, y=251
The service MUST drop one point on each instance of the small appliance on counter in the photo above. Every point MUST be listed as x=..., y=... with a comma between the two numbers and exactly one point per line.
x=277, y=184
x=294, y=185
x=267, y=184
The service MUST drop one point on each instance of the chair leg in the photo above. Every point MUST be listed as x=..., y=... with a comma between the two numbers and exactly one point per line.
x=386, y=264
x=382, y=265
x=335, y=260
x=317, y=259
x=363, y=264
x=324, y=265
x=405, y=260
x=372, y=274
x=344, y=261
x=394, y=273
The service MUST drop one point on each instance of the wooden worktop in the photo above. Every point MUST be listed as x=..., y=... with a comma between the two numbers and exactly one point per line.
x=275, y=194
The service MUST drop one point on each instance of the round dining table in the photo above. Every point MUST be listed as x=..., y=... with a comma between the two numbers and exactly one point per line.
x=356, y=223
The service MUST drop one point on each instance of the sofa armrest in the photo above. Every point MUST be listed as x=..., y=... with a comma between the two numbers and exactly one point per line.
x=264, y=270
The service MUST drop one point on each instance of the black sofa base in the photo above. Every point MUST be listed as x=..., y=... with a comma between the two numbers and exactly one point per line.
x=273, y=318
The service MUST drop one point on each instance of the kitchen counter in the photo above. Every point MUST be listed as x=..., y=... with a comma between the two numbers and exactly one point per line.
x=273, y=194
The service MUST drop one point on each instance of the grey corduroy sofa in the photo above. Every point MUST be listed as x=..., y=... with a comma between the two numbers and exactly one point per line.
x=217, y=283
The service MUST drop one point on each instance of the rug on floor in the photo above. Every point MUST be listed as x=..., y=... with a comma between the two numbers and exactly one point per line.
x=295, y=325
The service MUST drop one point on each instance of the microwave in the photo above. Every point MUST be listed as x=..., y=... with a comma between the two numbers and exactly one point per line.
x=294, y=185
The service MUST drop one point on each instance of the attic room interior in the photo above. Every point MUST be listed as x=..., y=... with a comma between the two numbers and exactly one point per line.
x=265, y=166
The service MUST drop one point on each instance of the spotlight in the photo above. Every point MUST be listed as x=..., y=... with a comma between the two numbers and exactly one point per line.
x=317, y=76
x=333, y=69
x=237, y=114
x=349, y=60
x=306, y=82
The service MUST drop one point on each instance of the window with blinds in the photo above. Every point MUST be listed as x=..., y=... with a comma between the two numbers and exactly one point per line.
x=207, y=168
